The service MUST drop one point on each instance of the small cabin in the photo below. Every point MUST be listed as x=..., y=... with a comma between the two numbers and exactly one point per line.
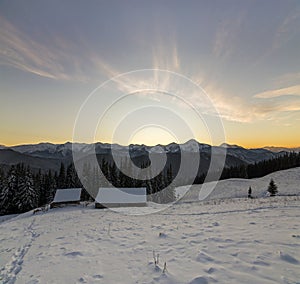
x=68, y=196
x=121, y=197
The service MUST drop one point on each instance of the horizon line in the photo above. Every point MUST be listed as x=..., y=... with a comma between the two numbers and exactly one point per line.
x=142, y=144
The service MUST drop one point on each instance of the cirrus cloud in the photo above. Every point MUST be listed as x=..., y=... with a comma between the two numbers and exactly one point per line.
x=288, y=91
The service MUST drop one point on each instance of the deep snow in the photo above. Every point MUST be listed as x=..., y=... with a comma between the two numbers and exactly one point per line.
x=288, y=182
x=215, y=241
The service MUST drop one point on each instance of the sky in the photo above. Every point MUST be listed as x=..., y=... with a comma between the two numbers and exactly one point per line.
x=150, y=72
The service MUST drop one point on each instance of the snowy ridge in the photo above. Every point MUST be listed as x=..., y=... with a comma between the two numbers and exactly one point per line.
x=288, y=182
x=282, y=149
x=35, y=147
x=226, y=145
x=64, y=151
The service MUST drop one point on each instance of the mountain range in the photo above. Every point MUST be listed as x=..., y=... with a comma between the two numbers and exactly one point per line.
x=48, y=156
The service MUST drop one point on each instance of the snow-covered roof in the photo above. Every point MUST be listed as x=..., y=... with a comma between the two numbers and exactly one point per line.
x=68, y=194
x=121, y=195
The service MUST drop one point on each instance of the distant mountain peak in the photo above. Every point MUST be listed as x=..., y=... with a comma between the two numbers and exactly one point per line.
x=232, y=146
x=191, y=141
x=49, y=156
x=281, y=149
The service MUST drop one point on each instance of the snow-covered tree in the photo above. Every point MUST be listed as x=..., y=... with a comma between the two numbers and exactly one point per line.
x=27, y=196
x=272, y=188
x=86, y=180
x=5, y=197
x=168, y=189
x=250, y=192
x=9, y=191
x=49, y=185
x=114, y=175
x=2, y=176
x=71, y=176
x=61, y=180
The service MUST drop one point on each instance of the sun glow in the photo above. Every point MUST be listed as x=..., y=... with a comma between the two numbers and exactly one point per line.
x=152, y=135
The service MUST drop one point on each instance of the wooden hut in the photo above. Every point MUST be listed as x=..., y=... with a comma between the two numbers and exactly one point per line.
x=121, y=197
x=68, y=196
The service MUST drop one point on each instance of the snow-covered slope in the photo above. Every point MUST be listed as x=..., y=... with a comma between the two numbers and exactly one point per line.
x=30, y=148
x=235, y=240
x=47, y=150
x=288, y=182
x=10, y=157
x=249, y=156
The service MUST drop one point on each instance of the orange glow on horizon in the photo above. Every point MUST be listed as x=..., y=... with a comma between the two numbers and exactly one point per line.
x=152, y=142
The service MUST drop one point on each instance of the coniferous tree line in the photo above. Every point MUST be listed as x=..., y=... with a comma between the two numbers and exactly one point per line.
x=259, y=169
x=22, y=190
x=159, y=188
x=286, y=161
x=18, y=192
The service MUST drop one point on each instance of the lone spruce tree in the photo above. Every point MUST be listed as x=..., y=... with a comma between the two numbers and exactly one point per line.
x=27, y=196
x=272, y=188
x=250, y=192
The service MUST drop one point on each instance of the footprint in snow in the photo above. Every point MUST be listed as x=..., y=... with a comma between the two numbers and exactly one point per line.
x=202, y=257
x=73, y=254
x=261, y=263
x=162, y=235
x=211, y=270
x=199, y=280
x=82, y=280
x=288, y=258
x=34, y=281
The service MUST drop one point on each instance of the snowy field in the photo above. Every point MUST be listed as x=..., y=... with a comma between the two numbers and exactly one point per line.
x=216, y=241
x=288, y=182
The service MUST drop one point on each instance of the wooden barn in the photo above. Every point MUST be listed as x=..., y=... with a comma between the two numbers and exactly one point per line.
x=68, y=196
x=121, y=197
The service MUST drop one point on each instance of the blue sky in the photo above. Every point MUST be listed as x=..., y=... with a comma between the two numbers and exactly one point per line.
x=244, y=54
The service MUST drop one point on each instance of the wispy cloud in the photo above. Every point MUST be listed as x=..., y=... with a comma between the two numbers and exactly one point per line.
x=289, y=78
x=55, y=60
x=238, y=109
x=165, y=57
x=277, y=104
x=287, y=29
x=225, y=38
x=229, y=107
x=270, y=108
x=64, y=60
x=288, y=91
